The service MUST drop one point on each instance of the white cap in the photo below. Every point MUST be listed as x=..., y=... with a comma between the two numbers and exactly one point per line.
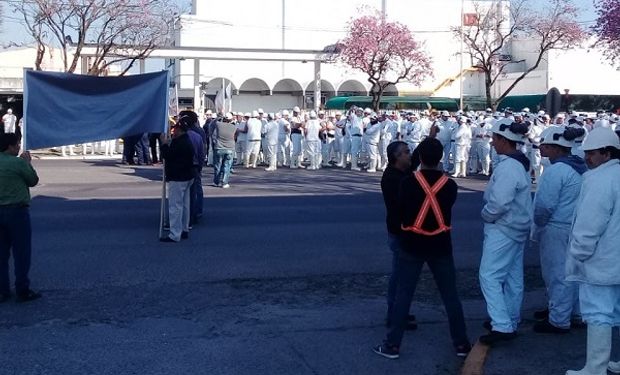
x=502, y=127
x=285, y=112
x=228, y=116
x=254, y=113
x=554, y=135
x=296, y=109
x=600, y=138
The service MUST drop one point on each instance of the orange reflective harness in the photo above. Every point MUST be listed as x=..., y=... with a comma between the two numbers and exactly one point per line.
x=429, y=202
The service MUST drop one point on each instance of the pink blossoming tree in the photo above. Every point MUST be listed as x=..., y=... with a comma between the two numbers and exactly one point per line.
x=386, y=51
x=123, y=31
x=607, y=27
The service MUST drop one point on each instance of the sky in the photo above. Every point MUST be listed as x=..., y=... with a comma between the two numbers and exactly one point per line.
x=12, y=32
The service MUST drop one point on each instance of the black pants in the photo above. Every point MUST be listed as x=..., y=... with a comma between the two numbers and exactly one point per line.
x=409, y=268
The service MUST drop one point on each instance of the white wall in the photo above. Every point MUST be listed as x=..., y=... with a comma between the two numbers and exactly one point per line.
x=314, y=25
x=583, y=71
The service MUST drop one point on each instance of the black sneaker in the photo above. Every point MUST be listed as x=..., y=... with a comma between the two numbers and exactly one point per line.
x=494, y=337
x=577, y=323
x=166, y=239
x=30, y=295
x=544, y=326
x=541, y=314
x=462, y=350
x=184, y=235
x=487, y=325
x=387, y=351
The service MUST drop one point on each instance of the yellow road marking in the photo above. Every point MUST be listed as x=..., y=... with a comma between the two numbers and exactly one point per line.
x=474, y=363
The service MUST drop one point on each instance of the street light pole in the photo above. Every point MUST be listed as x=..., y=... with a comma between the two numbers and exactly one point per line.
x=462, y=51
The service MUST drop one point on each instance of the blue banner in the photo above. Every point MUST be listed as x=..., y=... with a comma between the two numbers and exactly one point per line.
x=63, y=109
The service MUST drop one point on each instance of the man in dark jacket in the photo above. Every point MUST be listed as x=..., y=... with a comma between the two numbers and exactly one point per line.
x=179, y=156
x=425, y=200
x=399, y=163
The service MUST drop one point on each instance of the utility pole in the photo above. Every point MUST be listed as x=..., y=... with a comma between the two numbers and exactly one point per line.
x=383, y=8
x=283, y=33
x=462, y=51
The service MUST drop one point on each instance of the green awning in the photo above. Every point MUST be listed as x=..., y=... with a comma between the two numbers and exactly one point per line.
x=518, y=102
x=393, y=102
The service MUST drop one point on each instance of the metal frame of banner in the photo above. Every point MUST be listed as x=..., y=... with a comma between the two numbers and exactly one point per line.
x=163, y=206
x=23, y=130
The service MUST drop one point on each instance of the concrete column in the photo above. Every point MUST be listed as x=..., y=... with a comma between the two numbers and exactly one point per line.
x=84, y=63
x=317, y=85
x=197, y=99
x=142, y=66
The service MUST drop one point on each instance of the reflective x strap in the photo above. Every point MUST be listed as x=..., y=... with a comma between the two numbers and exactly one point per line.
x=430, y=200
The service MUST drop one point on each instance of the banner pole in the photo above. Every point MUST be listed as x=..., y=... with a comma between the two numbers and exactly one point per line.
x=175, y=110
x=24, y=118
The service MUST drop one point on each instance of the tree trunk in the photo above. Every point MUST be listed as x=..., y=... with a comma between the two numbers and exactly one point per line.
x=40, y=55
x=487, y=87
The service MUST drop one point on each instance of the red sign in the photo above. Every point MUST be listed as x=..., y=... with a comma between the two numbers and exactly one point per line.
x=470, y=19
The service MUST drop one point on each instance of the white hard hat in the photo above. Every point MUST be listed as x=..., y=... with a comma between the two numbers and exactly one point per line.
x=247, y=114
x=312, y=114
x=541, y=113
x=338, y=113
x=254, y=113
x=554, y=135
x=228, y=116
x=367, y=110
x=321, y=112
x=510, y=130
x=296, y=109
x=445, y=113
x=214, y=115
x=260, y=110
x=601, y=138
x=525, y=110
x=209, y=112
x=285, y=113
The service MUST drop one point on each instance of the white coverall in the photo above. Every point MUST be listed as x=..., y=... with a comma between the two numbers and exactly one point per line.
x=373, y=134
x=507, y=216
x=594, y=262
x=462, y=143
x=253, y=139
x=313, y=143
x=270, y=144
x=356, y=131
x=554, y=207
x=284, y=142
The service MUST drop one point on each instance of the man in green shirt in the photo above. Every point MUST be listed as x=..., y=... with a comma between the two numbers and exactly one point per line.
x=16, y=175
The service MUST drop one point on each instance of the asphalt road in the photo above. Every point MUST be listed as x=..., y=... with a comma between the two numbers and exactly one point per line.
x=285, y=274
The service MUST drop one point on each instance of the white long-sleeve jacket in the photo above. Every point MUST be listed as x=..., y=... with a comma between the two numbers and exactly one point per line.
x=594, y=253
x=557, y=193
x=508, y=197
x=463, y=135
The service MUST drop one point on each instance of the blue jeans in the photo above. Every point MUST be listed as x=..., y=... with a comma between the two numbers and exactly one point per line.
x=15, y=236
x=394, y=246
x=196, y=195
x=409, y=268
x=222, y=164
